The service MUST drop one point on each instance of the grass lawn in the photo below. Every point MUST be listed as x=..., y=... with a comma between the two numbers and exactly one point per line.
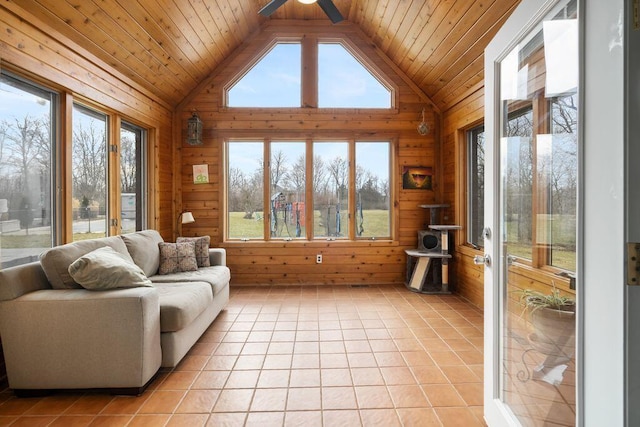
x=376, y=224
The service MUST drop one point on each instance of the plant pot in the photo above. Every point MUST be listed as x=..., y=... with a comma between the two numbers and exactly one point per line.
x=554, y=331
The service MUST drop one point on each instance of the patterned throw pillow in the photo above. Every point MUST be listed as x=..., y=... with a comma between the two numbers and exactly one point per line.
x=176, y=257
x=202, y=248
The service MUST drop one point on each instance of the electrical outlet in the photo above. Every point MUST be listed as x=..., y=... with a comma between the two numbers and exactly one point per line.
x=319, y=259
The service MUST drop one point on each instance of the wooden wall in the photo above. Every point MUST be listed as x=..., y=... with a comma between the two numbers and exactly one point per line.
x=294, y=262
x=469, y=278
x=35, y=50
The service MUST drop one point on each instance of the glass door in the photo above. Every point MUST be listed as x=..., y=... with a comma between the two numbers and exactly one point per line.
x=532, y=144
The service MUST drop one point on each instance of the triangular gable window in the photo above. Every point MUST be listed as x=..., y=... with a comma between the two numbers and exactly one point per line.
x=274, y=81
x=344, y=82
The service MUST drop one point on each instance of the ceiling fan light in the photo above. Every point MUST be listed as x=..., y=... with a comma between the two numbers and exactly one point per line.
x=307, y=1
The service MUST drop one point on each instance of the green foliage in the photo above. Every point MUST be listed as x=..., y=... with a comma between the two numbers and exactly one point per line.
x=535, y=300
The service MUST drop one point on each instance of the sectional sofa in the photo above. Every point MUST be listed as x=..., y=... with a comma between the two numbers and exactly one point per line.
x=98, y=314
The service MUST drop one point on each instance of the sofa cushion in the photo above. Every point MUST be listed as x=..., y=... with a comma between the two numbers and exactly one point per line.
x=177, y=257
x=56, y=261
x=143, y=248
x=181, y=303
x=202, y=248
x=216, y=276
x=104, y=268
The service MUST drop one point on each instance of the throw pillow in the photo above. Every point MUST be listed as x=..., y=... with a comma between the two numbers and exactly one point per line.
x=177, y=257
x=104, y=268
x=202, y=249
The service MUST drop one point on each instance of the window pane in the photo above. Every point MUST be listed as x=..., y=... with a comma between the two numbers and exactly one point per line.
x=287, y=192
x=27, y=119
x=245, y=193
x=331, y=189
x=563, y=177
x=344, y=82
x=132, y=187
x=274, y=81
x=373, y=214
x=89, y=173
x=475, y=186
x=518, y=183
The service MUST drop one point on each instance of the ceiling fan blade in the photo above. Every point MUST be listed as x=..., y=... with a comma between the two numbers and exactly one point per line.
x=331, y=10
x=271, y=7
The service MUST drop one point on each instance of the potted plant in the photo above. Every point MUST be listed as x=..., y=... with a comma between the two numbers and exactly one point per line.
x=553, y=317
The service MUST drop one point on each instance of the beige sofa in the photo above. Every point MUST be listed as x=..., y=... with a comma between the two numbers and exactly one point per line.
x=57, y=335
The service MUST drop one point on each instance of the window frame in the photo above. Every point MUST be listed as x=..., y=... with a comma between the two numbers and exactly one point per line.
x=471, y=140
x=309, y=212
x=309, y=75
x=55, y=201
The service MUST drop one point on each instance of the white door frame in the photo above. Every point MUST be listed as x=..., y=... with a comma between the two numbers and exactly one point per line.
x=605, y=364
x=632, y=196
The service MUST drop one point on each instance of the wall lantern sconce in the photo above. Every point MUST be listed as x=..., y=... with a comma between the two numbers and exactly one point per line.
x=194, y=130
x=423, y=127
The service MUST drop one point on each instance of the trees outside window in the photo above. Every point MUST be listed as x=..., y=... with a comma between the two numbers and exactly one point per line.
x=351, y=196
x=27, y=144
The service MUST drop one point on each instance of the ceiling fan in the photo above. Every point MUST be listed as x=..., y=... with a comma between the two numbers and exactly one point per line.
x=327, y=6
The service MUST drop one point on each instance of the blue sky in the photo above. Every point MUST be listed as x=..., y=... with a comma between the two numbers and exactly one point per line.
x=275, y=81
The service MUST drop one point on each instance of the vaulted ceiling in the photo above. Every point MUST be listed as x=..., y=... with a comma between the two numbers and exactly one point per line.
x=170, y=46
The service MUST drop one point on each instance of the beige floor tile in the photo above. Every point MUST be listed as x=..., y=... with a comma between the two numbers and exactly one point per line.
x=211, y=379
x=338, y=398
x=277, y=361
x=408, y=396
x=302, y=399
x=269, y=399
x=162, y=402
x=302, y=361
x=343, y=418
x=265, y=419
x=442, y=395
x=242, y=379
x=388, y=359
x=462, y=417
x=367, y=376
x=418, y=417
x=274, y=378
x=357, y=346
x=361, y=360
x=379, y=417
x=234, y=400
x=249, y=362
x=198, y=402
x=397, y=375
x=334, y=360
x=303, y=418
x=233, y=419
x=304, y=378
x=81, y=420
x=373, y=397
x=333, y=377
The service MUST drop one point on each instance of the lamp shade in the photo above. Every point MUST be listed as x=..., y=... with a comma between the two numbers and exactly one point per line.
x=194, y=130
x=187, y=218
x=307, y=1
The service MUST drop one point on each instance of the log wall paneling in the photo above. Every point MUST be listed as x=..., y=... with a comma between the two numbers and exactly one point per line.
x=277, y=262
x=41, y=52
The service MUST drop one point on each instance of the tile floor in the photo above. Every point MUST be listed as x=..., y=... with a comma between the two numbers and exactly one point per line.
x=303, y=356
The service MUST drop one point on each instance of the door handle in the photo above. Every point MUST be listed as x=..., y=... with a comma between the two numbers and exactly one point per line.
x=482, y=260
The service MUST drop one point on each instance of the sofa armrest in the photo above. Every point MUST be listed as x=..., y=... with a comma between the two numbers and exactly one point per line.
x=67, y=339
x=218, y=256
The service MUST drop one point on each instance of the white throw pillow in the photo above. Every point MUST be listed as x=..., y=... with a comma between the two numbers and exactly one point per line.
x=104, y=268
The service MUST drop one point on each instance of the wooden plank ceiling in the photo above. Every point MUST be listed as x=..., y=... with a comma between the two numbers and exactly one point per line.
x=169, y=46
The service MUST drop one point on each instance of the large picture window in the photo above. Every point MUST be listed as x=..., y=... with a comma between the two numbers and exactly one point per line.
x=350, y=184
x=27, y=155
